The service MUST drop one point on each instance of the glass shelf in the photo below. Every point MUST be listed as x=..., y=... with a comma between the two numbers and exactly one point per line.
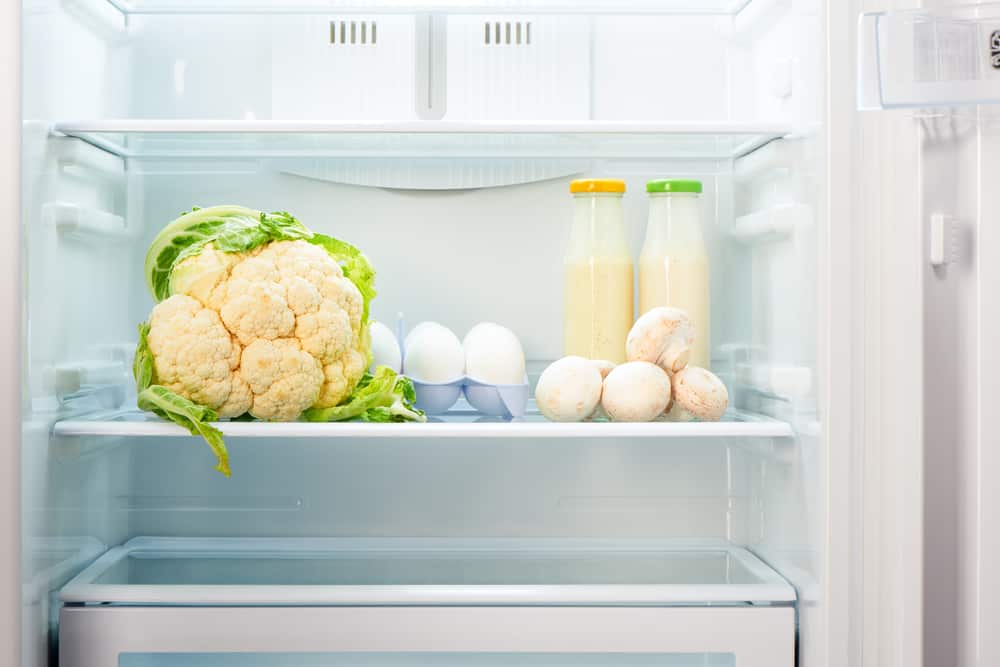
x=460, y=424
x=929, y=57
x=436, y=6
x=436, y=571
x=180, y=139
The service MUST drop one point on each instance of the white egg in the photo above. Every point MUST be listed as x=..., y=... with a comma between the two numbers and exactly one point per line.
x=385, y=348
x=493, y=354
x=433, y=353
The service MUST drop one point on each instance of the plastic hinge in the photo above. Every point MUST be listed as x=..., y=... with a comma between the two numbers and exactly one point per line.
x=73, y=220
x=775, y=223
x=75, y=153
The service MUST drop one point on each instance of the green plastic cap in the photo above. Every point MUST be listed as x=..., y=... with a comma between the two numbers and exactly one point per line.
x=672, y=186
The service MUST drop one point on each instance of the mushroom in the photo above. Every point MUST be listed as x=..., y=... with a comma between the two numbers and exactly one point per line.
x=662, y=336
x=569, y=390
x=637, y=391
x=699, y=395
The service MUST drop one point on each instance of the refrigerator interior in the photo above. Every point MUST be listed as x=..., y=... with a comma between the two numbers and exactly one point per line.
x=441, y=144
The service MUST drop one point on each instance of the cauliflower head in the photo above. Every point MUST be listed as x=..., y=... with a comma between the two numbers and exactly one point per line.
x=271, y=331
x=258, y=316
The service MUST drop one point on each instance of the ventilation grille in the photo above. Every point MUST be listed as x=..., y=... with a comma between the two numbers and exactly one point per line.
x=503, y=33
x=344, y=33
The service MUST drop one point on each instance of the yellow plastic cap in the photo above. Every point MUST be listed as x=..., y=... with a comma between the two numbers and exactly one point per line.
x=587, y=185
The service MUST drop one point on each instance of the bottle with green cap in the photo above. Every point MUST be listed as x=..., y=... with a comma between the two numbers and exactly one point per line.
x=673, y=264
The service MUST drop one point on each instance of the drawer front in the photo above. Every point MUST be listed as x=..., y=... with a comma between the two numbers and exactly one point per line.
x=405, y=636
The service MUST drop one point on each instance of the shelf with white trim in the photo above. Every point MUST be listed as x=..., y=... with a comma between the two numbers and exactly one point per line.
x=459, y=424
x=428, y=601
x=426, y=571
x=938, y=57
x=716, y=7
x=221, y=139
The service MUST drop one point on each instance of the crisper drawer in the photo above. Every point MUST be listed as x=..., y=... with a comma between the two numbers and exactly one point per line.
x=263, y=602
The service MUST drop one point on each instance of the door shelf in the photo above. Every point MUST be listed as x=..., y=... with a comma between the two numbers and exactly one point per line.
x=220, y=139
x=459, y=424
x=929, y=57
x=726, y=7
x=390, y=571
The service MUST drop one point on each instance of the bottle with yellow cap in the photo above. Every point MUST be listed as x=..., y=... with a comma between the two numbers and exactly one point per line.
x=598, y=273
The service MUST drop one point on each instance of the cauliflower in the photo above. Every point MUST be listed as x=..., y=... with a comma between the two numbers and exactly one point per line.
x=258, y=316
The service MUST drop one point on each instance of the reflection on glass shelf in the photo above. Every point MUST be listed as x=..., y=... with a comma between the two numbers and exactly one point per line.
x=420, y=139
x=441, y=6
x=929, y=57
x=427, y=660
x=335, y=571
x=456, y=424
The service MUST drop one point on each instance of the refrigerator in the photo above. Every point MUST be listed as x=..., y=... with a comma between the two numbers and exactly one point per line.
x=843, y=512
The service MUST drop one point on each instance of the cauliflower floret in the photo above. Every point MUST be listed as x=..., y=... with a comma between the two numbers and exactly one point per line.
x=347, y=296
x=240, y=398
x=303, y=260
x=200, y=274
x=194, y=354
x=257, y=310
x=340, y=377
x=302, y=296
x=295, y=319
x=326, y=334
x=284, y=379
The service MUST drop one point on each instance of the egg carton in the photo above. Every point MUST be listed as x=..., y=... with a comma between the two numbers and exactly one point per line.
x=508, y=401
x=496, y=400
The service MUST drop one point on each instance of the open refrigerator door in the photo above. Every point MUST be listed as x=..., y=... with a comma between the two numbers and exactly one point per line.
x=931, y=74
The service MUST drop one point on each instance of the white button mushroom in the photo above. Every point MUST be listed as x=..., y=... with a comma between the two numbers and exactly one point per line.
x=569, y=390
x=637, y=391
x=662, y=336
x=699, y=395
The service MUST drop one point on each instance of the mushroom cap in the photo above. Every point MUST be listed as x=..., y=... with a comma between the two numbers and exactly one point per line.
x=569, y=390
x=662, y=336
x=637, y=391
x=699, y=395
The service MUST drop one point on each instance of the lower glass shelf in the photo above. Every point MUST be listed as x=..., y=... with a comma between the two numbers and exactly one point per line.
x=378, y=572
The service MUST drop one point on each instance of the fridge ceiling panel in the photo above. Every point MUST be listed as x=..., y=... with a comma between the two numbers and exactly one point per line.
x=435, y=6
x=419, y=139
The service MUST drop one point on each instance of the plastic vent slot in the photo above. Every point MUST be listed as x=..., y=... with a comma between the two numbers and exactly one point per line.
x=505, y=33
x=353, y=33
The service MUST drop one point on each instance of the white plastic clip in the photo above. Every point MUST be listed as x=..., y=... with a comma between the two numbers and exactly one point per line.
x=943, y=239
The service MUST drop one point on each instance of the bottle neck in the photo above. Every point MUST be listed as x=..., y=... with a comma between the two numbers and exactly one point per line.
x=598, y=227
x=674, y=218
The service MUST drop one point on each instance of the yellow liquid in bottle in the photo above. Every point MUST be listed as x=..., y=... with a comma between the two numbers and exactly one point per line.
x=679, y=280
x=598, y=307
